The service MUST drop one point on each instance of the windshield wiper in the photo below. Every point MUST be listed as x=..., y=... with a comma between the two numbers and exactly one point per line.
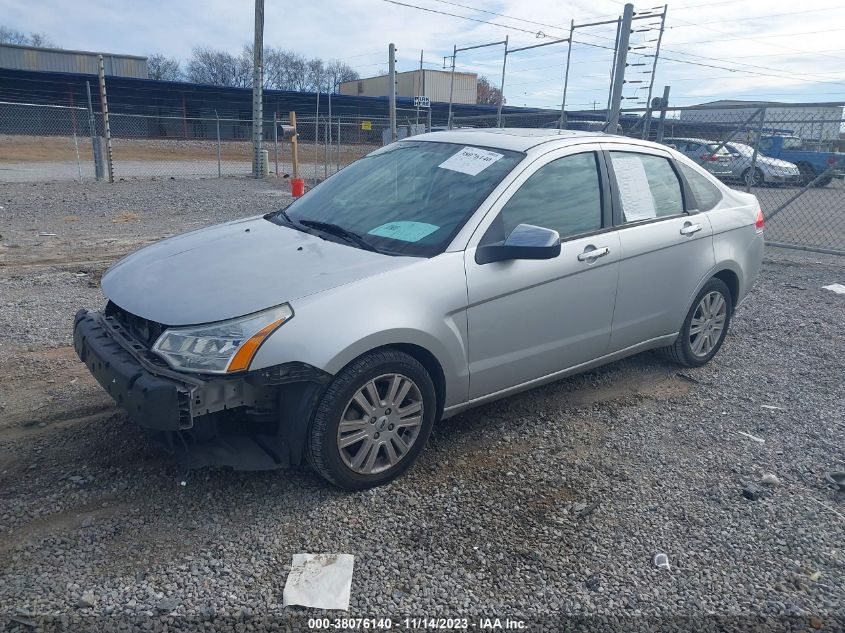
x=339, y=231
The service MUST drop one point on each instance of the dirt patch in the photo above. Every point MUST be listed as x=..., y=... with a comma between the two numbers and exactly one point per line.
x=61, y=523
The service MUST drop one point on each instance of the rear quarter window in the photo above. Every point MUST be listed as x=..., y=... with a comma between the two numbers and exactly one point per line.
x=706, y=194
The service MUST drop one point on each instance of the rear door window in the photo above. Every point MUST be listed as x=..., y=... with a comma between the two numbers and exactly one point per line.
x=707, y=195
x=648, y=186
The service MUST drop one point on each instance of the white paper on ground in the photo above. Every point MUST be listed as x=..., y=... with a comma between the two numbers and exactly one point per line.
x=471, y=160
x=322, y=581
x=637, y=203
x=837, y=288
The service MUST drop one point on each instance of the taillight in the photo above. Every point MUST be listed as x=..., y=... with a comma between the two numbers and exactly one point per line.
x=711, y=157
x=760, y=221
x=831, y=160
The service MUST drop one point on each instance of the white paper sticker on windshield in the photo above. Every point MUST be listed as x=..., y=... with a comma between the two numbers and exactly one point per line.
x=471, y=160
x=634, y=190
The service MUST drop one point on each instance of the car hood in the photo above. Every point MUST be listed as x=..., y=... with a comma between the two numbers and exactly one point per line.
x=232, y=269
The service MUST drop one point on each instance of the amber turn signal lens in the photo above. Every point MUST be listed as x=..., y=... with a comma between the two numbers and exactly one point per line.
x=243, y=357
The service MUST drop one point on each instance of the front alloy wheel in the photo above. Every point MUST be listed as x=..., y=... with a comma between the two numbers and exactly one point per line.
x=381, y=423
x=373, y=420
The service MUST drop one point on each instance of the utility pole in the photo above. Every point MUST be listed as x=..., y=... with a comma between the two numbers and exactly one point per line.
x=258, y=90
x=566, y=75
x=391, y=63
x=104, y=105
x=502, y=86
x=619, y=72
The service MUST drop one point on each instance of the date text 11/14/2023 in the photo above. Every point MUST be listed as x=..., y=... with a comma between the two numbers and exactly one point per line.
x=417, y=623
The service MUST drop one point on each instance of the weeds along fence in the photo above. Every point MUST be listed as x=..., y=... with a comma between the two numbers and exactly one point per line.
x=789, y=156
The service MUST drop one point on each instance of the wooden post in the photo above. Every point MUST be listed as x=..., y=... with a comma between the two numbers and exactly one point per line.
x=294, y=142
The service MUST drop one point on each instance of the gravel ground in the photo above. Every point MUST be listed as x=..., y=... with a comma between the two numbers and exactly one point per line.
x=546, y=507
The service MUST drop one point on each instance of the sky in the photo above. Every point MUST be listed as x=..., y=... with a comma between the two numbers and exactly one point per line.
x=778, y=50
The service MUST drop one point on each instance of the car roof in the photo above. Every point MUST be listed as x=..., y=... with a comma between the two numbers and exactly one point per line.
x=516, y=139
x=688, y=138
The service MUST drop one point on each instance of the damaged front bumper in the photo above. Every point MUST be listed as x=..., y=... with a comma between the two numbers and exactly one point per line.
x=253, y=420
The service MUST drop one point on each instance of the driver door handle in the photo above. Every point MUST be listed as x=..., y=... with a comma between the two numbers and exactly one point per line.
x=689, y=229
x=594, y=254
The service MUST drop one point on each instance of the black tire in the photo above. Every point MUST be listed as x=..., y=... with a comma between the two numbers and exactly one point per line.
x=322, y=449
x=681, y=351
x=806, y=174
x=825, y=181
x=759, y=179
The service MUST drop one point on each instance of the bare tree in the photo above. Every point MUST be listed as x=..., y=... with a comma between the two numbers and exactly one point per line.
x=219, y=68
x=486, y=92
x=283, y=70
x=163, y=68
x=13, y=36
x=337, y=72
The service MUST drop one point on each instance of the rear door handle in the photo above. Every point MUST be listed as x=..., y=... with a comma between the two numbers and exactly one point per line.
x=689, y=229
x=593, y=254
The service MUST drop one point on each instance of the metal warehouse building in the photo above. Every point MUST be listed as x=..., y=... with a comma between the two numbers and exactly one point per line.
x=60, y=60
x=817, y=123
x=434, y=84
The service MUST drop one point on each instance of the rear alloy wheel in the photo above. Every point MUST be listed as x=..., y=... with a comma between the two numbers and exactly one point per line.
x=705, y=326
x=753, y=178
x=373, y=420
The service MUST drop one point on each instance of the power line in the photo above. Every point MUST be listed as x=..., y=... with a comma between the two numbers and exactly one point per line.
x=756, y=17
x=671, y=59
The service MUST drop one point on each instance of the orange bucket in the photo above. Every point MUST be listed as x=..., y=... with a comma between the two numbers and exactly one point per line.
x=297, y=187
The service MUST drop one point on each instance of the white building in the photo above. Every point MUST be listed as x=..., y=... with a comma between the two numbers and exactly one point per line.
x=813, y=123
x=434, y=84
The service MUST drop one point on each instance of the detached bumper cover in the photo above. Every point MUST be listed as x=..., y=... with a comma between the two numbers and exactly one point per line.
x=151, y=400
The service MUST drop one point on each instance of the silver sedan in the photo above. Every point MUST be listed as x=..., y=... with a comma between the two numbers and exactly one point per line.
x=764, y=170
x=434, y=275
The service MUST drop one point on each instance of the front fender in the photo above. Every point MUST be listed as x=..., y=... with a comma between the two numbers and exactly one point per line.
x=423, y=304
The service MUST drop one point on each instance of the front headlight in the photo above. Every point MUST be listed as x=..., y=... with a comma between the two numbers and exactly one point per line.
x=222, y=347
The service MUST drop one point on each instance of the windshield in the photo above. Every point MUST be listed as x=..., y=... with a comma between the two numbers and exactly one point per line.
x=408, y=198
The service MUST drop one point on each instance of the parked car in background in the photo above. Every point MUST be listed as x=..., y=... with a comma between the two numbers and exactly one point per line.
x=436, y=274
x=717, y=160
x=766, y=170
x=810, y=163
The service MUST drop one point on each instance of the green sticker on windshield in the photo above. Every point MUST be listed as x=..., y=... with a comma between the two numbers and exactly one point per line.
x=404, y=230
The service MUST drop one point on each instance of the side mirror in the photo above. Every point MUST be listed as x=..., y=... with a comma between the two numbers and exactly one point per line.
x=524, y=242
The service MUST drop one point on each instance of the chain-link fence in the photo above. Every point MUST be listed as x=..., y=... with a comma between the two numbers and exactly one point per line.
x=41, y=143
x=787, y=155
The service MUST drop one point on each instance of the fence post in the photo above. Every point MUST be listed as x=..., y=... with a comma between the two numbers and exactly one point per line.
x=338, y=144
x=276, y=141
x=751, y=169
x=78, y=164
x=326, y=142
x=661, y=122
x=95, y=138
x=219, y=168
x=104, y=102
